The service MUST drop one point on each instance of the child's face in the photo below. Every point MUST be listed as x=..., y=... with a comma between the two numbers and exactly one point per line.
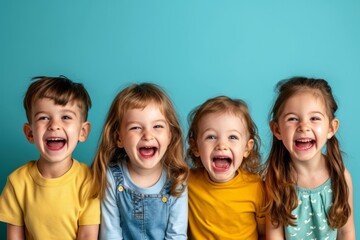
x=56, y=130
x=222, y=143
x=145, y=135
x=304, y=126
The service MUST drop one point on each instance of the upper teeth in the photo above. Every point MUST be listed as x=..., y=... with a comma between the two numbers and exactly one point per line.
x=55, y=139
x=304, y=140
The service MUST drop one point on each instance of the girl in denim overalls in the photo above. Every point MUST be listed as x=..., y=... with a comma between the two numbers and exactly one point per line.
x=139, y=168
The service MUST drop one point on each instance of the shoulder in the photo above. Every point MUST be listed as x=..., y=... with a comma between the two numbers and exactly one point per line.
x=347, y=175
x=22, y=171
x=250, y=177
x=83, y=168
x=81, y=173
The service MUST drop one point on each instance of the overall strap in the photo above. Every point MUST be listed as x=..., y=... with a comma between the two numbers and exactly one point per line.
x=117, y=173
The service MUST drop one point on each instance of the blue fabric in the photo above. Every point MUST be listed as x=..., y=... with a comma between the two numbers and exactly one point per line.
x=311, y=212
x=130, y=212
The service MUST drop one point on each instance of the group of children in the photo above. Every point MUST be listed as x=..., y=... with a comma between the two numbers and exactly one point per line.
x=139, y=185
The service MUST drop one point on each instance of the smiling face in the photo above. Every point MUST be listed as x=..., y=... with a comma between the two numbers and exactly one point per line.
x=145, y=135
x=222, y=143
x=56, y=130
x=304, y=126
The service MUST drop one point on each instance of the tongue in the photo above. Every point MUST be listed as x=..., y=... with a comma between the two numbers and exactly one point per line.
x=304, y=145
x=55, y=145
x=221, y=163
x=147, y=151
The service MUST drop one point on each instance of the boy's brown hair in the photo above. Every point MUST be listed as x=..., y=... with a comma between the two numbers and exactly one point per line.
x=59, y=89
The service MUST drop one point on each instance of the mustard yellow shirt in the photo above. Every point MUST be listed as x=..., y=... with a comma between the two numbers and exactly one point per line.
x=229, y=210
x=49, y=208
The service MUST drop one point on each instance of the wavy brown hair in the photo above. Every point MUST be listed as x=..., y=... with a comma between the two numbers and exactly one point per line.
x=224, y=104
x=139, y=96
x=279, y=183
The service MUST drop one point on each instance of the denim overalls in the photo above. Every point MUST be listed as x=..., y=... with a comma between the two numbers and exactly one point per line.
x=143, y=216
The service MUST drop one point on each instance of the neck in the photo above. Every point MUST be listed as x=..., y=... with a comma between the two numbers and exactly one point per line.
x=310, y=174
x=145, y=178
x=53, y=170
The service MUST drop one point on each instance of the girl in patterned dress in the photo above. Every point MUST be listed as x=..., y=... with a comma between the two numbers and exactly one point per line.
x=309, y=190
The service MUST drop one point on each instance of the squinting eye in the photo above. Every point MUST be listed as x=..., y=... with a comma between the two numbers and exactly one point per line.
x=233, y=137
x=292, y=119
x=315, y=119
x=134, y=128
x=211, y=137
x=66, y=117
x=43, y=118
x=158, y=126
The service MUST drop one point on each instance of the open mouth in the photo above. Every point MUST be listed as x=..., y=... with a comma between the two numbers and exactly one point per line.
x=148, y=152
x=304, y=144
x=222, y=163
x=55, y=143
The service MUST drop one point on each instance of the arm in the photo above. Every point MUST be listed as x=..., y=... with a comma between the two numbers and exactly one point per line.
x=272, y=232
x=15, y=232
x=88, y=232
x=347, y=232
x=178, y=220
x=110, y=227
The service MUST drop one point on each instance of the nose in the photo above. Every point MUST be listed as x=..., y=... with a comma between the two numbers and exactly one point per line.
x=303, y=126
x=221, y=146
x=53, y=125
x=147, y=136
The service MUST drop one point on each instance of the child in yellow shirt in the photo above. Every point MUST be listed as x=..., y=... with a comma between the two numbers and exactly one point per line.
x=49, y=198
x=226, y=195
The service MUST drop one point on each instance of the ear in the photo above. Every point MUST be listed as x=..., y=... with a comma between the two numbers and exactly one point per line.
x=274, y=126
x=28, y=133
x=193, y=147
x=334, y=126
x=119, y=143
x=196, y=152
x=249, y=147
x=85, y=131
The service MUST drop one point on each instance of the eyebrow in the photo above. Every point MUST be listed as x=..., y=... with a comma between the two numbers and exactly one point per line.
x=313, y=112
x=61, y=111
x=139, y=122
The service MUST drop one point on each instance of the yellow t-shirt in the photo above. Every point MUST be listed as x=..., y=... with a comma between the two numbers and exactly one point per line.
x=49, y=208
x=229, y=210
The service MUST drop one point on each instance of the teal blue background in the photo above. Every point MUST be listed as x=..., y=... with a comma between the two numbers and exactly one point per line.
x=194, y=49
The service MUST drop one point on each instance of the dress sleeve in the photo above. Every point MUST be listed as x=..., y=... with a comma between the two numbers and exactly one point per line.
x=178, y=220
x=110, y=227
x=10, y=209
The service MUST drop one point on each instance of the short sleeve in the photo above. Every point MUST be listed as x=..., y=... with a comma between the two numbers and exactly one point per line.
x=10, y=209
x=90, y=207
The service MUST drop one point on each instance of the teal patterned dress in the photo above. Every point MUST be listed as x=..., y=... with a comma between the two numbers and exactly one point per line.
x=311, y=214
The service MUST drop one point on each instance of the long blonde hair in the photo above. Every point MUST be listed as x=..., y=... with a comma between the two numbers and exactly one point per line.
x=279, y=183
x=139, y=96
